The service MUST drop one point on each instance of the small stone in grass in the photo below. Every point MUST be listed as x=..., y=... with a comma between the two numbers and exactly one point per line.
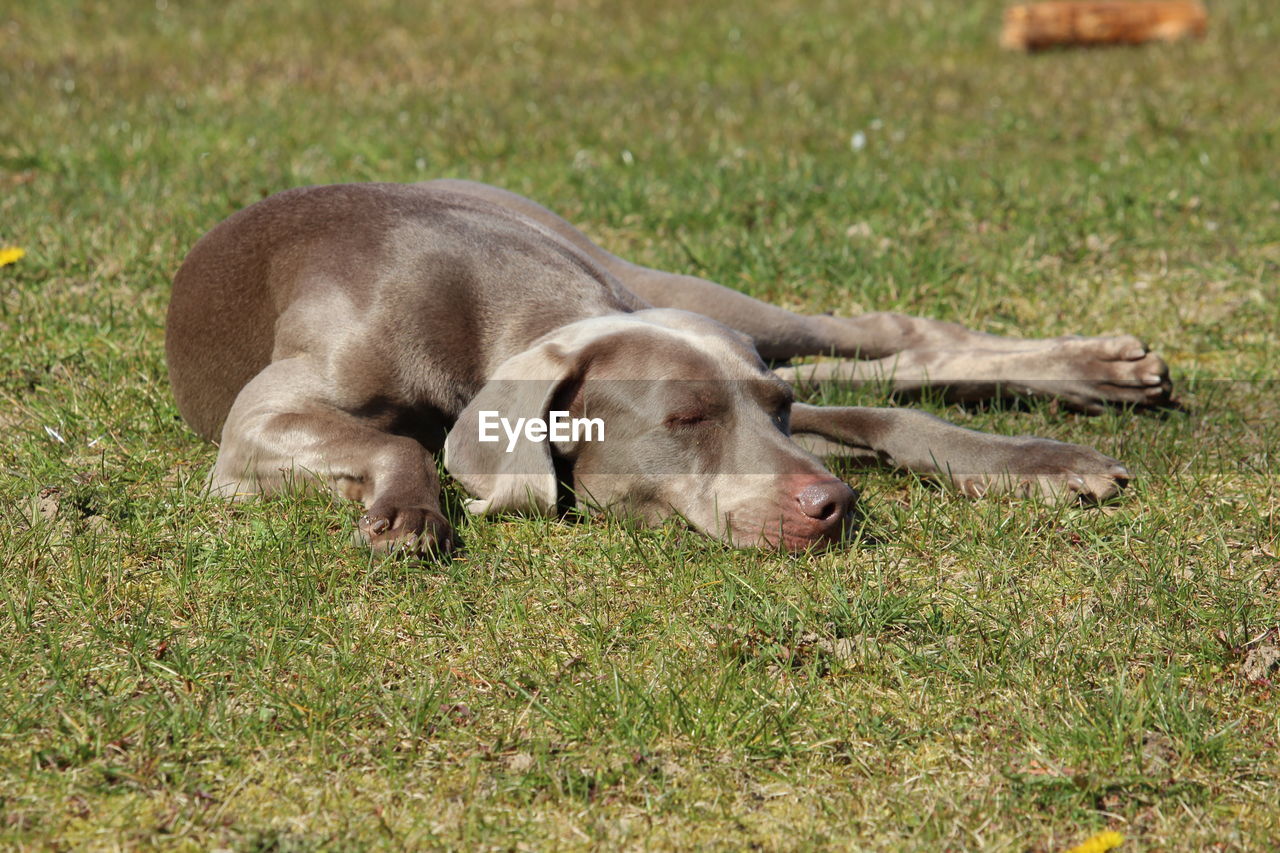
x=1259, y=663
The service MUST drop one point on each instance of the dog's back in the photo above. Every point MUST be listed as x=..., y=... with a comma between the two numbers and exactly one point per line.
x=219, y=329
x=336, y=272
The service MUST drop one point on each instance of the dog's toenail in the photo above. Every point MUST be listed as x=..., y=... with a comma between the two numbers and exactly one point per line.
x=379, y=525
x=1152, y=379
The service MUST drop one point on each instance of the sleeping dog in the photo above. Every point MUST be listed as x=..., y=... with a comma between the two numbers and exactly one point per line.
x=350, y=332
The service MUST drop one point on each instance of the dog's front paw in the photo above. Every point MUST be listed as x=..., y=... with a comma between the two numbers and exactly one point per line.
x=1047, y=469
x=387, y=528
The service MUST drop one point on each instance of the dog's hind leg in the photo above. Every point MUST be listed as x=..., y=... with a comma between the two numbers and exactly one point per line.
x=915, y=352
x=780, y=334
x=912, y=352
x=281, y=426
x=777, y=333
x=1085, y=373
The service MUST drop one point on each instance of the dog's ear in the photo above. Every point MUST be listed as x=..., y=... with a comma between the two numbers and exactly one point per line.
x=506, y=475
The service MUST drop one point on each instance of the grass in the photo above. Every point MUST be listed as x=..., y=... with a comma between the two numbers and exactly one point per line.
x=180, y=673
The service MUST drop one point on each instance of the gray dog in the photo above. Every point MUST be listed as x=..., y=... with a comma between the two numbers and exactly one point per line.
x=344, y=331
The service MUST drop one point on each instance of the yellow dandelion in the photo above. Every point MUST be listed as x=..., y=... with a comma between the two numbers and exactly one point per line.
x=10, y=254
x=1100, y=843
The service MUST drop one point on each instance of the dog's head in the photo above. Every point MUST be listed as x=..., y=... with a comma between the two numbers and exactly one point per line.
x=654, y=414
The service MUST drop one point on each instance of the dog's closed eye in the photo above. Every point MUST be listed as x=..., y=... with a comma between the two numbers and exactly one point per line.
x=680, y=420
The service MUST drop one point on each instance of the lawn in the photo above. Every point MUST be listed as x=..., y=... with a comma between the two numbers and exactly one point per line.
x=176, y=672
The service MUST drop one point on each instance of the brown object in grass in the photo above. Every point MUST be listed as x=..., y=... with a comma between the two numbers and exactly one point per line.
x=1062, y=23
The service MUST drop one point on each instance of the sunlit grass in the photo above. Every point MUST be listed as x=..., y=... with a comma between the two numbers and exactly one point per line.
x=179, y=672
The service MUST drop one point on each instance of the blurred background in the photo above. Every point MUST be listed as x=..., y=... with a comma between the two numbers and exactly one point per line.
x=843, y=155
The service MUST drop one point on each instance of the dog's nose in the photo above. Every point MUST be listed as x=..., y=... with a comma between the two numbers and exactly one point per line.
x=827, y=502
